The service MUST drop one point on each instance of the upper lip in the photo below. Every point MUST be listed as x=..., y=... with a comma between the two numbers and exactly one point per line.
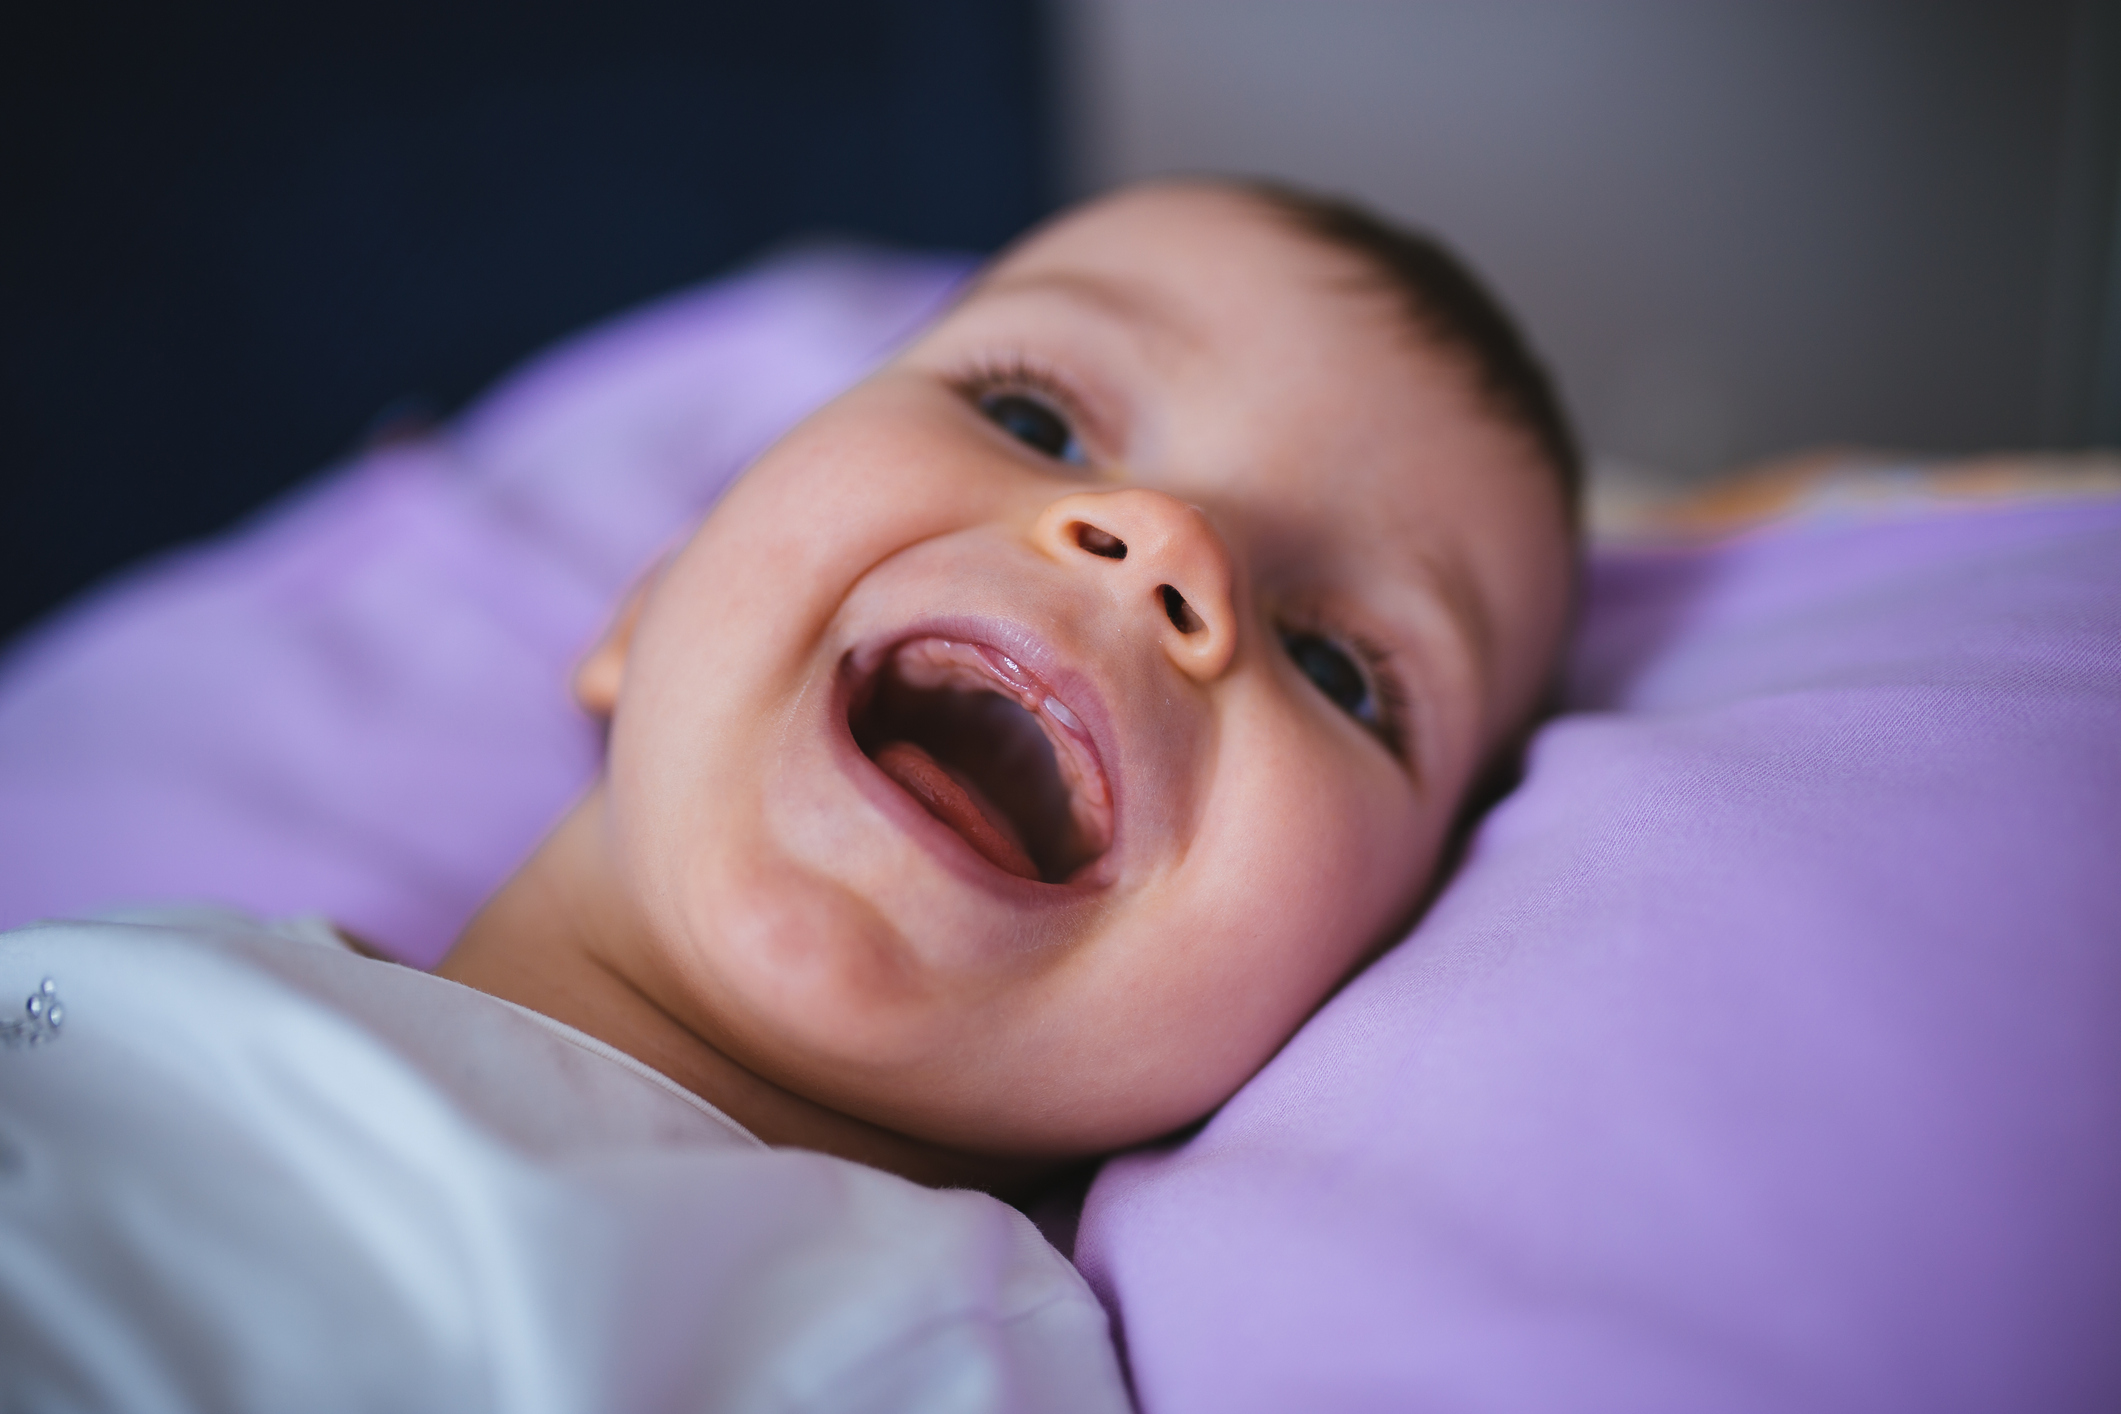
x=1028, y=667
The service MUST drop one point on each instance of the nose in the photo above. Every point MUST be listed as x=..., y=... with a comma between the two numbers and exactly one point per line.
x=1163, y=563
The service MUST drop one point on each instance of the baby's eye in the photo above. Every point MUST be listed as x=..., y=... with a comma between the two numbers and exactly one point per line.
x=1034, y=424
x=1334, y=671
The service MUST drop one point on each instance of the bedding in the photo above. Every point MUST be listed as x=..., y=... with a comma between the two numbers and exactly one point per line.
x=1763, y=1053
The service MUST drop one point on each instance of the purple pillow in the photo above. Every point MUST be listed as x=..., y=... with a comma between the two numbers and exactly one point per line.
x=358, y=704
x=1764, y=1054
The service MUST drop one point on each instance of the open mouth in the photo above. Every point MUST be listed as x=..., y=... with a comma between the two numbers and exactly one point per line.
x=990, y=753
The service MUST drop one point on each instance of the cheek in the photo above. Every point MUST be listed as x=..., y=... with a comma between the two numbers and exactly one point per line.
x=881, y=468
x=1326, y=848
x=738, y=630
x=1307, y=853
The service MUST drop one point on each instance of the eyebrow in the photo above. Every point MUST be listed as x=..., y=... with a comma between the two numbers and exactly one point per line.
x=1130, y=301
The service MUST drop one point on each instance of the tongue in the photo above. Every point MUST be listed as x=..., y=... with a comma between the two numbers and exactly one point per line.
x=959, y=804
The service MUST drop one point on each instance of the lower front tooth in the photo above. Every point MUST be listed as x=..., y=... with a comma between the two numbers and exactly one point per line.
x=1061, y=713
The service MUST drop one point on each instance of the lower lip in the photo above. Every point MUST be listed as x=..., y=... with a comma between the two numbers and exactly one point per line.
x=944, y=844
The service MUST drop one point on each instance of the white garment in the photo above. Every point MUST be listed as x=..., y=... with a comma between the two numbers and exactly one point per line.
x=251, y=1170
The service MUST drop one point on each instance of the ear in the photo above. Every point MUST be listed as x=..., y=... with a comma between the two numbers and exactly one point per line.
x=598, y=677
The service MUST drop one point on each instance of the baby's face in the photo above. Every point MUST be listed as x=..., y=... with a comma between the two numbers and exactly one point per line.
x=1036, y=735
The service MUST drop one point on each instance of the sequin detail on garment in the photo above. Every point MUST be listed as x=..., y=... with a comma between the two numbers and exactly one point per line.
x=41, y=1018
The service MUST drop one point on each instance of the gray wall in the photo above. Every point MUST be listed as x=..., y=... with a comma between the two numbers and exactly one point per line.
x=1737, y=227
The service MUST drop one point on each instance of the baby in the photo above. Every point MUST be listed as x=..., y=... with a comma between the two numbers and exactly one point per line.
x=1019, y=753
x=1041, y=731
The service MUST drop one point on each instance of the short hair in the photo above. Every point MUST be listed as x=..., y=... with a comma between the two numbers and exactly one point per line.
x=1450, y=305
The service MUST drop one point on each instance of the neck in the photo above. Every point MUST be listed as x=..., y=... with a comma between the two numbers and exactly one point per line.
x=561, y=938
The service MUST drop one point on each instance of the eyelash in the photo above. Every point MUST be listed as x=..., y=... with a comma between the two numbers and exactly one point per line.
x=1393, y=726
x=1017, y=373
x=1393, y=705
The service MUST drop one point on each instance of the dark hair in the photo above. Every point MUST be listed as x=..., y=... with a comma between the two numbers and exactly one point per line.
x=1449, y=305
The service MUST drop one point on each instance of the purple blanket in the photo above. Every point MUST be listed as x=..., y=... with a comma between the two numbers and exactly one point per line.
x=1764, y=1054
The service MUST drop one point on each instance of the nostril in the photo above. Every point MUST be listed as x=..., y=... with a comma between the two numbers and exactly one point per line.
x=1180, y=612
x=1098, y=542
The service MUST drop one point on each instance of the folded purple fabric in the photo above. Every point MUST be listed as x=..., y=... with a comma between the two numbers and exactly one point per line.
x=1765, y=1053
x=358, y=704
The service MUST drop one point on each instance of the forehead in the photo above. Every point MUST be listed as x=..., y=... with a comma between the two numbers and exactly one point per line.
x=1288, y=361
x=1204, y=271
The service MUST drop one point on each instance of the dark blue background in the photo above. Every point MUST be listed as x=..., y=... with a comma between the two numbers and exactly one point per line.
x=235, y=235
